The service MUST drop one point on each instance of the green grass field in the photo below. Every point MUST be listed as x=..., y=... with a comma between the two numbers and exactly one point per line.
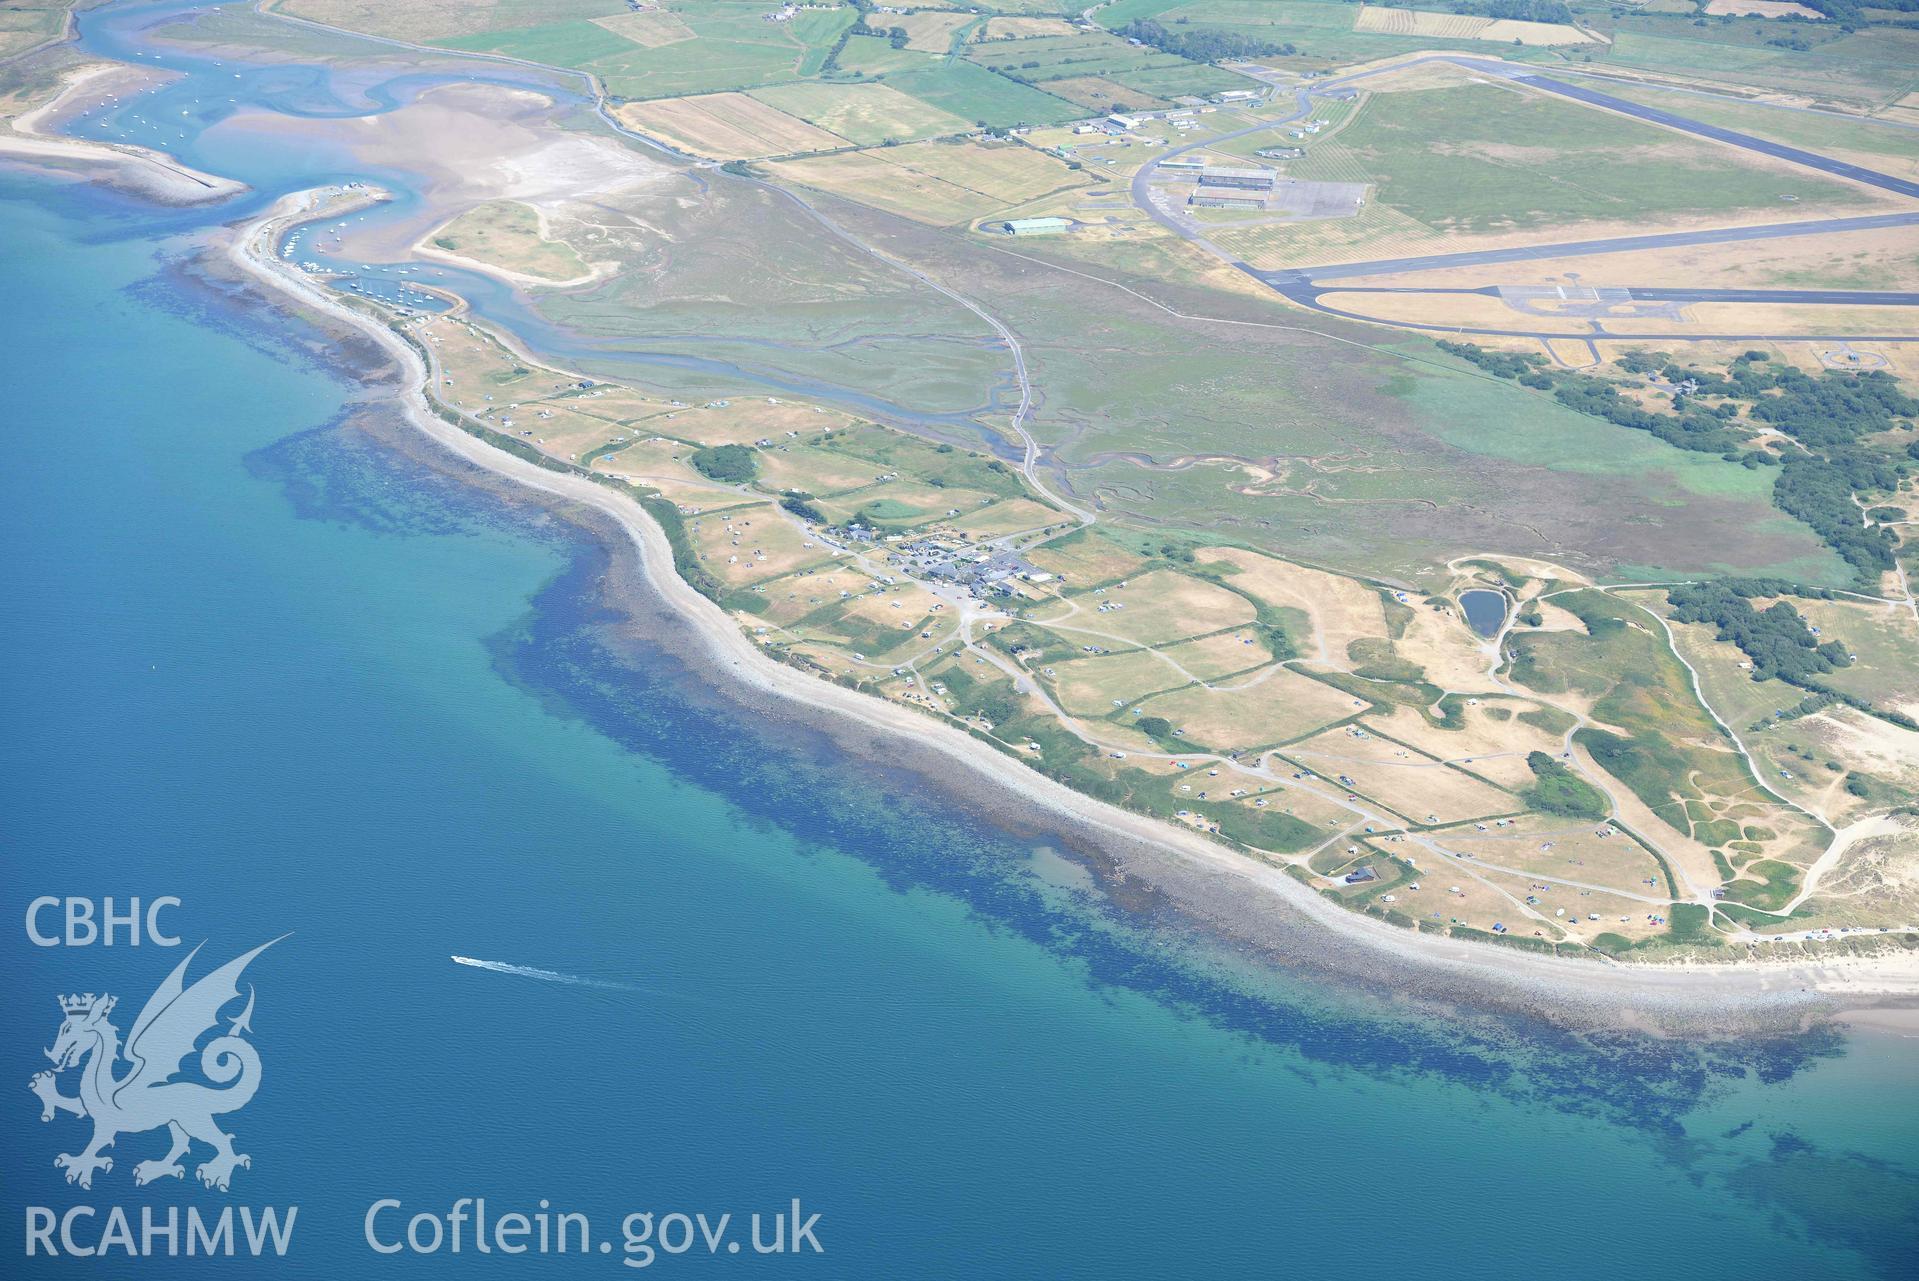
x=875, y=56
x=1377, y=461
x=1821, y=133
x=1321, y=30
x=1481, y=159
x=1050, y=58
x=425, y=21
x=1876, y=65
x=563, y=44
x=1191, y=78
x=978, y=96
x=23, y=26
x=1057, y=57
x=733, y=46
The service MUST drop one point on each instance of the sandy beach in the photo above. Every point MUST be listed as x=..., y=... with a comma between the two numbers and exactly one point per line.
x=1246, y=899
x=149, y=173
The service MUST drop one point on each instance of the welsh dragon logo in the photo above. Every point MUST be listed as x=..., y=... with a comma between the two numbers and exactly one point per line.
x=147, y=1096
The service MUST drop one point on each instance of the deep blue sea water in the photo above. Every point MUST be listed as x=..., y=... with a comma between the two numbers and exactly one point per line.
x=257, y=660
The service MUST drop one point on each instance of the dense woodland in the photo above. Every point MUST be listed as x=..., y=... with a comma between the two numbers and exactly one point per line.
x=1203, y=45
x=1776, y=640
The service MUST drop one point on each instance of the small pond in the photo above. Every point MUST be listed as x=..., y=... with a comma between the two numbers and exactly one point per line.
x=1485, y=610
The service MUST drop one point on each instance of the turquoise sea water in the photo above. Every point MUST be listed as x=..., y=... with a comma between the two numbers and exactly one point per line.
x=259, y=661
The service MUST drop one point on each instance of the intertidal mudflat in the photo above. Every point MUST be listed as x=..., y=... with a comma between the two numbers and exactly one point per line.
x=1221, y=515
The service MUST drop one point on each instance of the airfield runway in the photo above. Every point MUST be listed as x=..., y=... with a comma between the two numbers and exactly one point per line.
x=1300, y=285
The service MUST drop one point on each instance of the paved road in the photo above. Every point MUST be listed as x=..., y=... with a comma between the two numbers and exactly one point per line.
x=1732, y=137
x=1815, y=297
x=1650, y=293
x=1300, y=290
x=1645, y=293
x=1608, y=245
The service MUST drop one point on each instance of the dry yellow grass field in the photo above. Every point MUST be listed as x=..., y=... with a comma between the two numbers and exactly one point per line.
x=742, y=421
x=1006, y=171
x=906, y=502
x=1089, y=686
x=1690, y=860
x=1378, y=231
x=1472, y=310
x=751, y=544
x=562, y=433
x=867, y=177
x=1905, y=111
x=1224, y=654
x=1418, y=75
x=1763, y=9
x=930, y=31
x=648, y=28
x=1099, y=93
x=1086, y=559
x=1458, y=26
x=655, y=461
x=1447, y=649
x=614, y=405
x=726, y=126
x=1782, y=319
x=942, y=183
x=1010, y=516
x=1486, y=746
x=1341, y=610
x=1270, y=707
x=1571, y=352
x=1163, y=606
x=899, y=607
x=796, y=595
x=1560, y=847
x=1404, y=780
x=1014, y=28
x=1875, y=259
x=1374, y=232
x=813, y=471
x=867, y=113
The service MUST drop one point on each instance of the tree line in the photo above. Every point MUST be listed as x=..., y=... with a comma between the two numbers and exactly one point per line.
x=1829, y=424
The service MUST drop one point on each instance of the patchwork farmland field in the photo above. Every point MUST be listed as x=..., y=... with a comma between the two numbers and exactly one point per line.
x=23, y=26
x=649, y=28
x=939, y=182
x=930, y=31
x=866, y=114
x=1004, y=28
x=1457, y=26
x=872, y=55
x=726, y=126
x=699, y=46
x=1085, y=54
x=424, y=21
x=980, y=97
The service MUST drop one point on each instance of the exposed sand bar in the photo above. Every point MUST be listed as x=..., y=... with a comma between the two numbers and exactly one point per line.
x=152, y=174
x=1248, y=897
